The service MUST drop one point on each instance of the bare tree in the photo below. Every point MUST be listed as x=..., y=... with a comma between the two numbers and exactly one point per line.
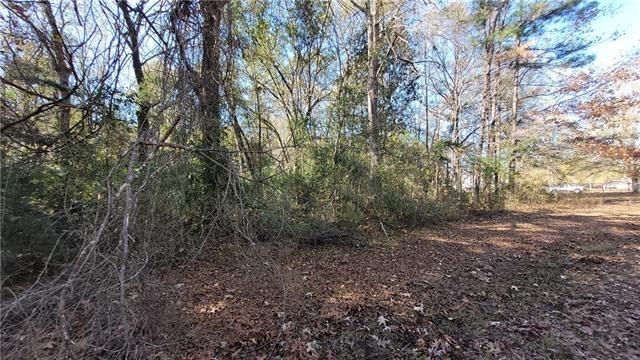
x=133, y=40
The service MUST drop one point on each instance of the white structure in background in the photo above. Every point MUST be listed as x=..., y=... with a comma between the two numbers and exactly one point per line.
x=619, y=184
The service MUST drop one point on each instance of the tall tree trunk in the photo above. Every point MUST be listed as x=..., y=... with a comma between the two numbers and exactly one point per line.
x=373, y=29
x=515, y=100
x=61, y=64
x=455, y=140
x=513, y=121
x=260, y=136
x=489, y=51
x=427, y=74
x=434, y=139
x=492, y=141
x=486, y=108
x=143, y=104
x=209, y=97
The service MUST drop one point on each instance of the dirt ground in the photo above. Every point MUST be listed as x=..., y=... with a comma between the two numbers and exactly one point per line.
x=560, y=282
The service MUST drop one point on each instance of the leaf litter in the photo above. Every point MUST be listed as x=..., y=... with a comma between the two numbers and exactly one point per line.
x=545, y=283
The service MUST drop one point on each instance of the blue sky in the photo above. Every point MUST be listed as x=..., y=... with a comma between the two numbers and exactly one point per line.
x=625, y=19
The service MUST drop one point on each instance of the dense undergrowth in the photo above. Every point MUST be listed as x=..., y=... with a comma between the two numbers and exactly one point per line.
x=48, y=208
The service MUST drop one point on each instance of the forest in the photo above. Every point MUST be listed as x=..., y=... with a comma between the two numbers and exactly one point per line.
x=348, y=179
